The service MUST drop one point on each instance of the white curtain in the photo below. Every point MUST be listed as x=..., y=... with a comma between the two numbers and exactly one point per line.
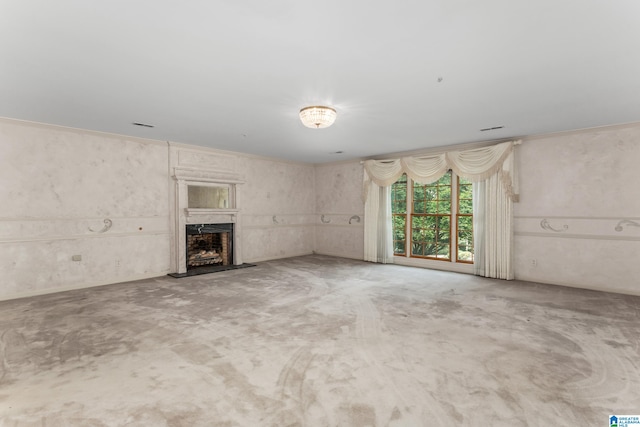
x=492, y=226
x=378, y=232
x=491, y=169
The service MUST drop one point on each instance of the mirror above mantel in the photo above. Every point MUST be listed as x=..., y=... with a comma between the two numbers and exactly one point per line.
x=210, y=196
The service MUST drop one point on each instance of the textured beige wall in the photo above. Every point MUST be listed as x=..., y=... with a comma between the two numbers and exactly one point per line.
x=338, y=192
x=59, y=184
x=277, y=209
x=575, y=188
x=58, y=187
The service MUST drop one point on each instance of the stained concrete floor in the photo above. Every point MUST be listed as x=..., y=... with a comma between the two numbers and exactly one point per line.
x=320, y=341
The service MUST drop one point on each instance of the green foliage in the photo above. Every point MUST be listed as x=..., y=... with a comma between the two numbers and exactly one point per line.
x=430, y=218
x=399, y=230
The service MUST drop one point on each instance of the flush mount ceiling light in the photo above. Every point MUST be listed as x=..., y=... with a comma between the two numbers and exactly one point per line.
x=317, y=117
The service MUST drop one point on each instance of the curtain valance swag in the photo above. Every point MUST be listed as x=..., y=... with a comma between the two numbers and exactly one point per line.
x=476, y=165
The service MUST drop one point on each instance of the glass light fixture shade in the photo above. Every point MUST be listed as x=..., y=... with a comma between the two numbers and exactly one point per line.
x=318, y=117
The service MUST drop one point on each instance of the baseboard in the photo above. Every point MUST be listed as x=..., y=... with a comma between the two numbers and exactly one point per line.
x=254, y=260
x=340, y=255
x=81, y=286
x=587, y=287
x=434, y=265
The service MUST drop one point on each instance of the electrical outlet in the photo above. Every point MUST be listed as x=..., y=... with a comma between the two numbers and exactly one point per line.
x=534, y=263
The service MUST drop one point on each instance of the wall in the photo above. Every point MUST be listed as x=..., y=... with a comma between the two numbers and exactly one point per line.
x=338, y=190
x=278, y=209
x=575, y=188
x=276, y=199
x=58, y=187
x=60, y=184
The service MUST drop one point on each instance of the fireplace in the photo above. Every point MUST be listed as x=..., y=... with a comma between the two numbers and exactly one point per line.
x=209, y=245
x=206, y=219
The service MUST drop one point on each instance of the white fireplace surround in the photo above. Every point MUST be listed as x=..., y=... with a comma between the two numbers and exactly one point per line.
x=183, y=215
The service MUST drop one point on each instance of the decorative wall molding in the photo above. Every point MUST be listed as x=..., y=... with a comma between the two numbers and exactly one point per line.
x=344, y=219
x=596, y=228
x=546, y=226
x=40, y=230
x=277, y=220
x=561, y=217
x=81, y=132
x=82, y=237
x=626, y=223
x=577, y=236
x=207, y=161
x=106, y=227
x=341, y=225
x=275, y=226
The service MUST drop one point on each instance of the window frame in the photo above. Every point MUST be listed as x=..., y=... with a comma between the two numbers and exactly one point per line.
x=453, y=263
x=437, y=217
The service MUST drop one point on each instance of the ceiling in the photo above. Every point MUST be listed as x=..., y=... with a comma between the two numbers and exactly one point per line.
x=403, y=75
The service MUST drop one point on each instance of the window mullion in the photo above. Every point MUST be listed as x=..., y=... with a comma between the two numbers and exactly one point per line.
x=408, y=225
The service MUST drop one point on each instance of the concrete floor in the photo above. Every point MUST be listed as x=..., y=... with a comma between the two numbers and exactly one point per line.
x=320, y=341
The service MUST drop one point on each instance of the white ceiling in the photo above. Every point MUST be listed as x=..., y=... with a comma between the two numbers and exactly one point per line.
x=233, y=74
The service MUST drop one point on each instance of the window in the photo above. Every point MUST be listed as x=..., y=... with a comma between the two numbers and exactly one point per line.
x=433, y=221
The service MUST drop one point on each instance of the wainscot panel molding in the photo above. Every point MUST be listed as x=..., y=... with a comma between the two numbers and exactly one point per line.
x=261, y=244
x=279, y=220
x=559, y=227
x=38, y=267
x=340, y=240
x=29, y=229
x=598, y=264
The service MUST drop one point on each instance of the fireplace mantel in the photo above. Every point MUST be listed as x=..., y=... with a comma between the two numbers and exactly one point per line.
x=183, y=214
x=189, y=212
